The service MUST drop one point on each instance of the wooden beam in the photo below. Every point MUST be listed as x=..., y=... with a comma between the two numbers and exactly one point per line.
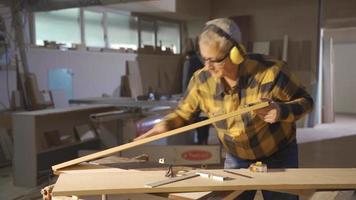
x=233, y=195
x=305, y=193
x=189, y=195
x=114, y=150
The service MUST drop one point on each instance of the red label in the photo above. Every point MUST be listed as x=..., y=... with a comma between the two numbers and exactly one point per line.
x=196, y=155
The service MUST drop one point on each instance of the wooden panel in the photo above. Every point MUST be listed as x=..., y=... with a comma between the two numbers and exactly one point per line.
x=5, y=120
x=278, y=179
x=134, y=78
x=114, y=150
x=161, y=74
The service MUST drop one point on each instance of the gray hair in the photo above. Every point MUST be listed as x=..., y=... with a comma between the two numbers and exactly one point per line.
x=210, y=37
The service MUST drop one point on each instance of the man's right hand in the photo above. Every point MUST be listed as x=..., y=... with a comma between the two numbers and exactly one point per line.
x=158, y=129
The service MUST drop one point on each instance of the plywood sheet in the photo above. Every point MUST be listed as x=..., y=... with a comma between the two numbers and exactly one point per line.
x=134, y=78
x=133, y=182
x=161, y=74
x=261, y=47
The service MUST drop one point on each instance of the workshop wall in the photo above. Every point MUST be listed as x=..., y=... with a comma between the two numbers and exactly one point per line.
x=339, y=9
x=271, y=20
x=275, y=18
x=344, y=88
x=94, y=73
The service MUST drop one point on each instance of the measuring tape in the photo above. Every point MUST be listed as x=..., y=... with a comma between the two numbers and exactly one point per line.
x=258, y=167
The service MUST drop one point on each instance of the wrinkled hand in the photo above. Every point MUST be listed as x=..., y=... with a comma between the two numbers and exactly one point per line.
x=157, y=129
x=269, y=114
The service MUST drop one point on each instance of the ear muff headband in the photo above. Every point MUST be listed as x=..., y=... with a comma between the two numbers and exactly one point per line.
x=237, y=53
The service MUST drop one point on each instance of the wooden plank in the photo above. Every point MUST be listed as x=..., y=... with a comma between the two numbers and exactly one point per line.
x=278, y=179
x=134, y=78
x=233, y=195
x=285, y=48
x=5, y=120
x=189, y=195
x=306, y=193
x=157, y=137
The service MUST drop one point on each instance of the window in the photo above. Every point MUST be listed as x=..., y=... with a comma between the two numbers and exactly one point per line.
x=93, y=29
x=122, y=31
x=168, y=36
x=147, y=33
x=61, y=26
x=106, y=29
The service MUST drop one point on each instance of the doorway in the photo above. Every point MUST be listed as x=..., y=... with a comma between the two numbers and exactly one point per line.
x=338, y=72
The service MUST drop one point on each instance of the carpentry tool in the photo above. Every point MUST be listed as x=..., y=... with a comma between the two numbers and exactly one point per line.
x=203, y=174
x=213, y=176
x=171, y=180
x=235, y=173
x=114, y=150
x=258, y=167
x=170, y=172
x=47, y=192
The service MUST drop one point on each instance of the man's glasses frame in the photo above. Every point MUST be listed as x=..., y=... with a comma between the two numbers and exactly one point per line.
x=214, y=61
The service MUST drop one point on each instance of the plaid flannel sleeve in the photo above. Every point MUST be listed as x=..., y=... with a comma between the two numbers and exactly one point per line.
x=293, y=100
x=187, y=108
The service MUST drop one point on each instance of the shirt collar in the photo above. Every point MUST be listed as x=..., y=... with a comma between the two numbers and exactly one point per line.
x=220, y=88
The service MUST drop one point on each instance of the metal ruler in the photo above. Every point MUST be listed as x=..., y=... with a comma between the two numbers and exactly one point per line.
x=203, y=174
x=171, y=180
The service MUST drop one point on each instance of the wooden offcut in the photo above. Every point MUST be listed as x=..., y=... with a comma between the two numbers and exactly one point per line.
x=114, y=150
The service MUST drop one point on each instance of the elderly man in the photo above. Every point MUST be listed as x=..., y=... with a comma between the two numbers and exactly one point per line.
x=232, y=79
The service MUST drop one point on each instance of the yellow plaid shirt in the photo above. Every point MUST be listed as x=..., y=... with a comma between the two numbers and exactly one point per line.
x=246, y=136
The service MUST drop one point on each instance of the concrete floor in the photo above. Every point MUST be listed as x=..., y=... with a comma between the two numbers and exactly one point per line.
x=326, y=145
x=329, y=145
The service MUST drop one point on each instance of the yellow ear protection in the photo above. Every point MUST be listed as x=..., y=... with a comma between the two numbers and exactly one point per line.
x=237, y=52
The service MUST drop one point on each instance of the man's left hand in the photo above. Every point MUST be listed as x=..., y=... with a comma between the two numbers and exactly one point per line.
x=269, y=114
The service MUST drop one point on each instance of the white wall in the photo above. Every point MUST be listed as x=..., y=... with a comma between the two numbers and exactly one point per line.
x=345, y=78
x=94, y=73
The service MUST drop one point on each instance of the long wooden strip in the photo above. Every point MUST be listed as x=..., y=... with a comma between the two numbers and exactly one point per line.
x=114, y=150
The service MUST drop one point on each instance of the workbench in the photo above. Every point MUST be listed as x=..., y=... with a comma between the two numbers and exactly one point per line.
x=296, y=181
x=33, y=154
x=110, y=181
